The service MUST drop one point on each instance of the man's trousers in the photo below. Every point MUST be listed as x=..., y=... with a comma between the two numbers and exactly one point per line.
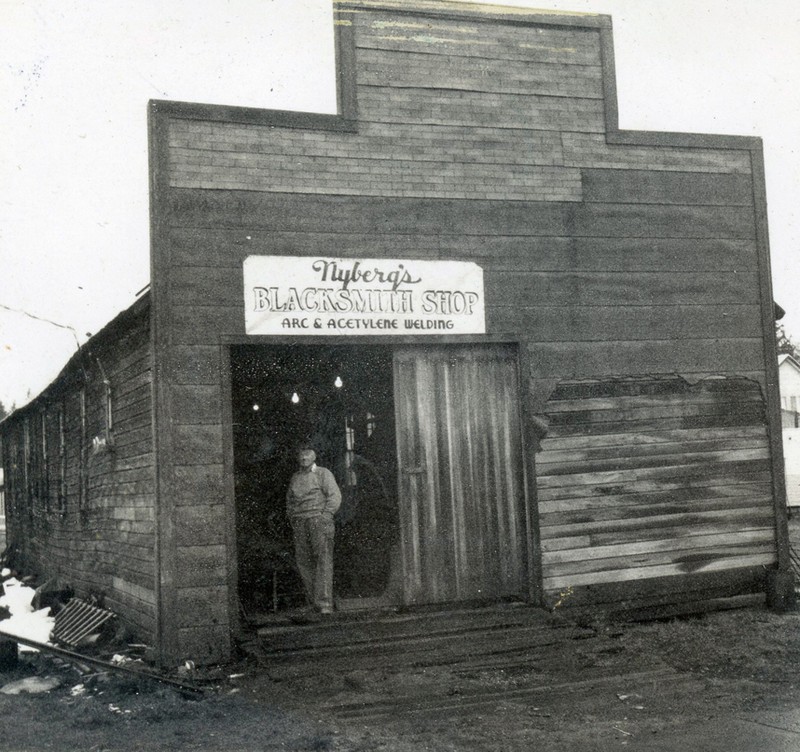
x=313, y=546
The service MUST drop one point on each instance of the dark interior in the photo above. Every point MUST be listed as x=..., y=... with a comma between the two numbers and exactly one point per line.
x=339, y=400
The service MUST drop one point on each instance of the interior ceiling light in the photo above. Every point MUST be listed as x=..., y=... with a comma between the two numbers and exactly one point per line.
x=338, y=383
x=295, y=398
x=256, y=408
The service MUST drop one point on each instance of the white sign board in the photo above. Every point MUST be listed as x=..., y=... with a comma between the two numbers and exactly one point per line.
x=291, y=295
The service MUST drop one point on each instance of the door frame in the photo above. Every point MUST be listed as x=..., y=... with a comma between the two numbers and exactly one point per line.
x=528, y=437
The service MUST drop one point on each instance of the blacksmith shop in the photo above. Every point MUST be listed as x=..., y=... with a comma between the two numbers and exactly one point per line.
x=536, y=351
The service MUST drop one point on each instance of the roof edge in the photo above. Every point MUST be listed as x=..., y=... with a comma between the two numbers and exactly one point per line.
x=134, y=309
x=475, y=10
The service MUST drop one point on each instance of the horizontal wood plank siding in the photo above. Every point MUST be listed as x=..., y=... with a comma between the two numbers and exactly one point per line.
x=473, y=41
x=661, y=187
x=620, y=357
x=578, y=289
x=226, y=249
x=552, y=323
x=435, y=70
x=90, y=521
x=655, y=597
x=691, y=276
x=624, y=496
x=277, y=212
x=597, y=151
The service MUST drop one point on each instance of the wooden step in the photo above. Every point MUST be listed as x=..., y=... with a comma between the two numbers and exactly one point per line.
x=400, y=641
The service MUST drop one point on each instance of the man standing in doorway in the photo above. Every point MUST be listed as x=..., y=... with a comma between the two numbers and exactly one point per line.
x=311, y=501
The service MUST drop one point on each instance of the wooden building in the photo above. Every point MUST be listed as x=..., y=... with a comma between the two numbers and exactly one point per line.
x=537, y=351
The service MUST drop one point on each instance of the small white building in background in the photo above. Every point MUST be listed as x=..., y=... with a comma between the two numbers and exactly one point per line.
x=2, y=511
x=789, y=375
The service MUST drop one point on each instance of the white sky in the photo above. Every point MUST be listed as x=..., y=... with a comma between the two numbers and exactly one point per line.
x=76, y=75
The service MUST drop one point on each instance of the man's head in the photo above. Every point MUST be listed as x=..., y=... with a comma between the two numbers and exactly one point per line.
x=306, y=457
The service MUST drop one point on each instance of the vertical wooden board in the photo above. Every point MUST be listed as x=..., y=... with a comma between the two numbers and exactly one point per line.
x=447, y=532
x=478, y=463
x=410, y=466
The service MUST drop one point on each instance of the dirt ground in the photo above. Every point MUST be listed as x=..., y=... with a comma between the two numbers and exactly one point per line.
x=627, y=687
x=615, y=686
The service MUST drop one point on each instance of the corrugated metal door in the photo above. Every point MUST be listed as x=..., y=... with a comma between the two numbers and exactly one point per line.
x=460, y=461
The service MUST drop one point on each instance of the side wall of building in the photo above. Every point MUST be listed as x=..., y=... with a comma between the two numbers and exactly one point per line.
x=462, y=134
x=79, y=468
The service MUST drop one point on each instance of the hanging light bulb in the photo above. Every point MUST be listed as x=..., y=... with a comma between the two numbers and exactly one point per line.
x=295, y=398
x=338, y=383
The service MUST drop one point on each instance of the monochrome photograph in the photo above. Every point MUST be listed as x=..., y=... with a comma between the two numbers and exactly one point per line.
x=400, y=375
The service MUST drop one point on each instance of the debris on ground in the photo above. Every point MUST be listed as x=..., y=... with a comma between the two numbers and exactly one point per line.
x=77, y=624
x=23, y=620
x=31, y=685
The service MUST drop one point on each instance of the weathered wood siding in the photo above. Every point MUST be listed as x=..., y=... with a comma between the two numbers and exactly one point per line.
x=462, y=518
x=463, y=135
x=607, y=254
x=652, y=478
x=86, y=516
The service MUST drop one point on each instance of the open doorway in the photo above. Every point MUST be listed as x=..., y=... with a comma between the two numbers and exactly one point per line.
x=339, y=399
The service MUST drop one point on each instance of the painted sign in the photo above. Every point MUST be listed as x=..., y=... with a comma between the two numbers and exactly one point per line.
x=290, y=295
